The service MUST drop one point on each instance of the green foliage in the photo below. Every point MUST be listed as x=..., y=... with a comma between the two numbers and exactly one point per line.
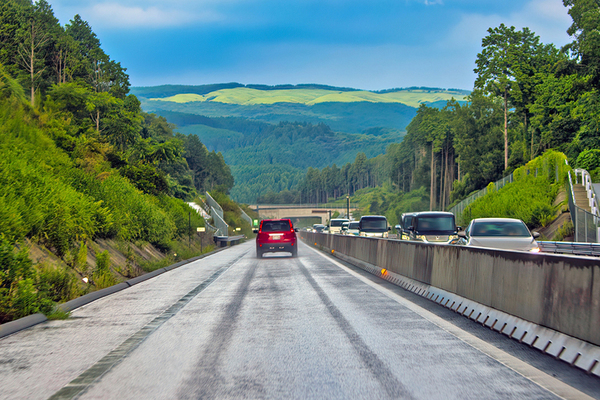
x=529, y=197
x=589, y=159
x=566, y=230
x=81, y=161
x=103, y=276
x=23, y=290
x=57, y=284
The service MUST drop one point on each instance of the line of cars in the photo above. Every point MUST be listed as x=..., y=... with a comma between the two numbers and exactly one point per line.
x=440, y=227
x=429, y=227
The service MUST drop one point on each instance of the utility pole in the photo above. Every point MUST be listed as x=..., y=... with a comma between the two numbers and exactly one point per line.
x=348, y=206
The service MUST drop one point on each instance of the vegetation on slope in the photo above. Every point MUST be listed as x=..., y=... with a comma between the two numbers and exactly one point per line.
x=81, y=166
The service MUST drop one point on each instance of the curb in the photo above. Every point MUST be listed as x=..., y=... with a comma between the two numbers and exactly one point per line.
x=11, y=327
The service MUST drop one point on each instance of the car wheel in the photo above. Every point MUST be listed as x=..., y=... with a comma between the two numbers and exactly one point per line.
x=259, y=253
x=294, y=252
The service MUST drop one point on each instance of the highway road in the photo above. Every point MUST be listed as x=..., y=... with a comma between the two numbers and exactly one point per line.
x=231, y=326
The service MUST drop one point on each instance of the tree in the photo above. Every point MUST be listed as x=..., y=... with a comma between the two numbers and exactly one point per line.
x=586, y=46
x=495, y=68
x=36, y=42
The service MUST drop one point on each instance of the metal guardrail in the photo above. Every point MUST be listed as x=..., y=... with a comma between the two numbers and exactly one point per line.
x=213, y=204
x=224, y=241
x=574, y=248
x=222, y=227
x=246, y=218
x=586, y=181
x=216, y=212
x=585, y=224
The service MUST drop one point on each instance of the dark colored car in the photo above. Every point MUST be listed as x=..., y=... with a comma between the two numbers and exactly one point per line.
x=405, y=223
x=433, y=227
x=275, y=235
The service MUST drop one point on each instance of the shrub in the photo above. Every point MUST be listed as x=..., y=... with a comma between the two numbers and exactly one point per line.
x=589, y=159
x=103, y=276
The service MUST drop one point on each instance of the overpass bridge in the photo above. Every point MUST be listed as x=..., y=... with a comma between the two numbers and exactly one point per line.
x=303, y=214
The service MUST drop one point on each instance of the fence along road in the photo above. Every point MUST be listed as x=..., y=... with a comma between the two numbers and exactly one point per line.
x=234, y=326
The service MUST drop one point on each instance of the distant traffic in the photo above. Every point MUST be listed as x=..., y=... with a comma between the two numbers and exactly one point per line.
x=439, y=227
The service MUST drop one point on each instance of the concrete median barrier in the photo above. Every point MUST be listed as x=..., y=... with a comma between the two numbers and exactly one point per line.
x=559, y=292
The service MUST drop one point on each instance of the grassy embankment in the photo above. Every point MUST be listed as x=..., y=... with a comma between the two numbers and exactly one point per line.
x=66, y=230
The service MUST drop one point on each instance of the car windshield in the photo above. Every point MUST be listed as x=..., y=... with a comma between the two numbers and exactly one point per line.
x=353, y=225
x=407, y=221
x=500, y=228
x=435, y=223
x=275, y=226
x=373, y=224
x=338, y=222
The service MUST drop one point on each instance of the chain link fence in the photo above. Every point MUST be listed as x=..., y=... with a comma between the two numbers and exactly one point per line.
x=585, y=224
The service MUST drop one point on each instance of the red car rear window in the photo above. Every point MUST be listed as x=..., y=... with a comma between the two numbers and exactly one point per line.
x=275, y=226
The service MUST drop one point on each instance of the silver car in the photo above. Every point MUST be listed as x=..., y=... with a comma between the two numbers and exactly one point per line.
x=499, y=233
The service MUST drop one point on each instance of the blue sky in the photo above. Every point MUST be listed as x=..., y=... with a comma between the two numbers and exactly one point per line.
x=365, y=44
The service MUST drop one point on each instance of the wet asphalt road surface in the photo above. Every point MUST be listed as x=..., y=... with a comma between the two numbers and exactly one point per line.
x=231, y=326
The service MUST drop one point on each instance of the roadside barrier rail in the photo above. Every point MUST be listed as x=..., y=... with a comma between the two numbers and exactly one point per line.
x=579, y=249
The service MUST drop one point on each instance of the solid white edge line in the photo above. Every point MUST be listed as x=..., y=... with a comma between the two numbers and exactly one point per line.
x=540, y=378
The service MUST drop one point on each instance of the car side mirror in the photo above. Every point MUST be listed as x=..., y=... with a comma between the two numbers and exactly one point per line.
x=295, y=229
x=459, y=228
x=462, y=234
x=389, y=228
x=536, y=235
x=255, y=230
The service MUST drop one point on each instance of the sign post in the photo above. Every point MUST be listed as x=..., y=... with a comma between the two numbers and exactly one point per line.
x=201, y=231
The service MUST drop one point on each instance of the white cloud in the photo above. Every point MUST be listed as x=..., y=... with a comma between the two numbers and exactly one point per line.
x=123, y=16
x=548, y=19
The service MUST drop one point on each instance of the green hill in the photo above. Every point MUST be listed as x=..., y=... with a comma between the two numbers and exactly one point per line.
x=343, y=109
x=271, y=135
x=248, y=96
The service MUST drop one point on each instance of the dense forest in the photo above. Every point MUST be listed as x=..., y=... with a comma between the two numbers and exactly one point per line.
x=528, y=97
x=80, y=162
x=269, y=158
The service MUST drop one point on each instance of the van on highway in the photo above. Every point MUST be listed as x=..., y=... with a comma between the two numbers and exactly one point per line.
x=335, y=225
x=433, y=227
x=373, y=226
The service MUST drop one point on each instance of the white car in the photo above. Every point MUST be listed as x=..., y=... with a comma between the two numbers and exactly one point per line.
x=499, y=233
x=375, y=226
x=352, y=228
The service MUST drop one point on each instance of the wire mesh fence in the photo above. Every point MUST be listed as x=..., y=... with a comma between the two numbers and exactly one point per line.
x=585, y=224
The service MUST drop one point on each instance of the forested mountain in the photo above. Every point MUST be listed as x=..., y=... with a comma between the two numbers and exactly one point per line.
x=271, y=135
x=80, y=162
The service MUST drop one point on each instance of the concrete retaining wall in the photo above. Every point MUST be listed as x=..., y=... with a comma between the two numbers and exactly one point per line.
x=556, y=291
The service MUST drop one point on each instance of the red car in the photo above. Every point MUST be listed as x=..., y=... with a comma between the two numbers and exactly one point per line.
x=275, y=235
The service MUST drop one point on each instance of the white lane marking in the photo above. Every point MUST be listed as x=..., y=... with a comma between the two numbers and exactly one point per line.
x=531, y=373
